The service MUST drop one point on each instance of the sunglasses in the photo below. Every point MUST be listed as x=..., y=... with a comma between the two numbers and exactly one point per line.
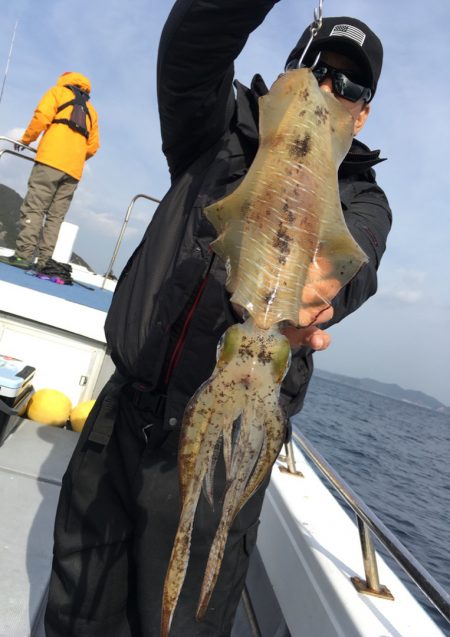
x=342, y=84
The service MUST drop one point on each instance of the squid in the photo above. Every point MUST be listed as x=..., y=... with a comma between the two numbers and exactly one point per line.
x=287, y=252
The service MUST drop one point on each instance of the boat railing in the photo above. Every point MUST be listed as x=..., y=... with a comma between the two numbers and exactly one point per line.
x=368, y=522
x=122, y=232
x=16, y=153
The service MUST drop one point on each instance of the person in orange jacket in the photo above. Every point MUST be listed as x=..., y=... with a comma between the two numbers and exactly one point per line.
x=69, y=124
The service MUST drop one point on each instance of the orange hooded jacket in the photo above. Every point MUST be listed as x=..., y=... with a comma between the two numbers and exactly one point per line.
x=60, y=146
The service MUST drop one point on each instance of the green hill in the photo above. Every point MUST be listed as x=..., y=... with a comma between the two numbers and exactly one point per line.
x=10, y=202
x=386, y=389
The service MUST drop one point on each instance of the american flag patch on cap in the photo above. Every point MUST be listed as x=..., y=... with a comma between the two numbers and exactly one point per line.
x=347, y=31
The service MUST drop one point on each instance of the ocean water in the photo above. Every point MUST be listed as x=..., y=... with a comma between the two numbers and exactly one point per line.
x=396, y=457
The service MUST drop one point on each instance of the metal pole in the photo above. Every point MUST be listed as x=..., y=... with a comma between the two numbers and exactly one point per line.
x=369, y=557
x=6, y=151
x=250, y=613
x=122, y=232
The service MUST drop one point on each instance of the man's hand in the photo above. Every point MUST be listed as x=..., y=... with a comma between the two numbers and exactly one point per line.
x=19, y=147
x=316, y=309
x=312, y=336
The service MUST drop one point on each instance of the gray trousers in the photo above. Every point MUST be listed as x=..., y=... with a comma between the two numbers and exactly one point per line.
x=46, y=203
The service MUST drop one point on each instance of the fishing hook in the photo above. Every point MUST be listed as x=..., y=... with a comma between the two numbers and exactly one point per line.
x=314, y=29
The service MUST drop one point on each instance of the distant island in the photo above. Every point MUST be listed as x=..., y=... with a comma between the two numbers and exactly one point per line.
x=386, y=389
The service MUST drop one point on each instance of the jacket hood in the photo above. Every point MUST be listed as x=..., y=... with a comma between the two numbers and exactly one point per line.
x=75, y=78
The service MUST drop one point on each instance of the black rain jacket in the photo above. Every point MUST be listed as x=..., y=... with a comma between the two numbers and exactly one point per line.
x=170, y=307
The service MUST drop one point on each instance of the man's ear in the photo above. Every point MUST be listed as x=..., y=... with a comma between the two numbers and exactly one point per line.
x=361, y=118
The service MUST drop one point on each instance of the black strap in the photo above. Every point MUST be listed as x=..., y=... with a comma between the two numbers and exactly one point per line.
x=72, y=125
x=137, y=393
x=81, y=98
x=104, y=422
x=142, y=397
x=65, y=105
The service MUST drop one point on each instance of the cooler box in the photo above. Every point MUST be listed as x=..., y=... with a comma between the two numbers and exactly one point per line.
x=15, y=390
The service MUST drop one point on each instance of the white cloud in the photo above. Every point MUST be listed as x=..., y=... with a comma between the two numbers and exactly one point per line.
x=15, y=133
x=406, y=286
x=14, y=171
x=103, y=223
x=143, y=216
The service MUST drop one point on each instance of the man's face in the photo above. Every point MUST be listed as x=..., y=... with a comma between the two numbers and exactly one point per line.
x=359, y=110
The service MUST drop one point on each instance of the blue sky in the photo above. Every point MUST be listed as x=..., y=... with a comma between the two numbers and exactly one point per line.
x=401, y=335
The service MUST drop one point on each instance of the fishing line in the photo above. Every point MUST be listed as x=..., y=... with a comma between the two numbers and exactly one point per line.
x=19, y=12
x=8, y=59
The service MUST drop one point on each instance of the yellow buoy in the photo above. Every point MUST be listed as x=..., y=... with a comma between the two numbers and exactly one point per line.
x=50, y=407
x=79, y=414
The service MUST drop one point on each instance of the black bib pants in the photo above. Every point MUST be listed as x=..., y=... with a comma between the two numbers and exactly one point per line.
x=116, y=521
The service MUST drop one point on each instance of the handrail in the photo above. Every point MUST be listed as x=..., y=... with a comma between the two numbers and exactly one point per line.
x=16, y=153
x=122, y=232
x=17, y=142
x=367, y=519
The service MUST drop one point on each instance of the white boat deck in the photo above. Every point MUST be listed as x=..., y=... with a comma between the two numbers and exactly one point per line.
x=32, y=462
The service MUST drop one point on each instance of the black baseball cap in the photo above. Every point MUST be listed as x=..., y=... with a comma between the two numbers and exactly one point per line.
x=348, y=36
